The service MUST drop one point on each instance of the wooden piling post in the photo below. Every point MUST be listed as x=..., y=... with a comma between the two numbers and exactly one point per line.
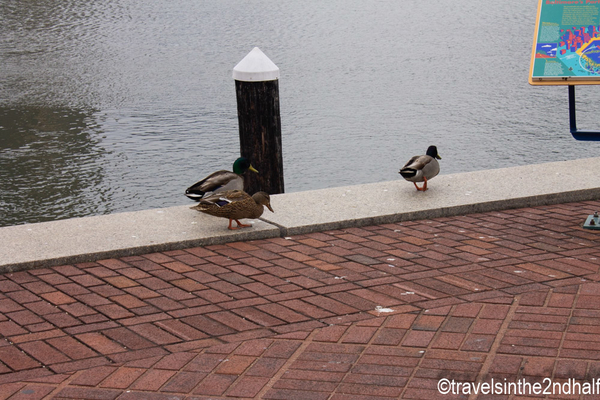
x=257, y=91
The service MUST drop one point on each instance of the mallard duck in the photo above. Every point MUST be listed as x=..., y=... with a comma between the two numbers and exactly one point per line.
x=235, y=205
x=422, y=168
x=221, y=181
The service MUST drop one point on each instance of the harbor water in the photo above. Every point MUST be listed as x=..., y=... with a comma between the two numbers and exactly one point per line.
x=119, y=105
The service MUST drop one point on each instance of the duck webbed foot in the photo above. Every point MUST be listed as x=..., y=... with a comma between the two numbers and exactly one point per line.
x=424, y=188
x=239, y=225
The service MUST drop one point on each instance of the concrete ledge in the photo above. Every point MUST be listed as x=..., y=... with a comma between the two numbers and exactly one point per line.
x=133, y=233
x=557, y=198
x=117, y=235
x=448, y=195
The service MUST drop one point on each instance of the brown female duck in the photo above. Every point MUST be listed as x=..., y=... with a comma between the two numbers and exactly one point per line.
x=235, y=205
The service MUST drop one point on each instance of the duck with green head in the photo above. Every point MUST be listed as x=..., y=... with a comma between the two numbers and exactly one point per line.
x=422, y=168
x=221, y=181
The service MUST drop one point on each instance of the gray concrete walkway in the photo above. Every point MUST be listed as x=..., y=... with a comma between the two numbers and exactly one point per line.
x=126, y=234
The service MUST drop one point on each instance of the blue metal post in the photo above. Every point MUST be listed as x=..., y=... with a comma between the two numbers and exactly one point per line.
x=579, y=134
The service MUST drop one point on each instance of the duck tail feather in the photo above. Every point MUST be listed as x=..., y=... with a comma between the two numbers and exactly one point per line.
x=408, y=172
x=194, y=195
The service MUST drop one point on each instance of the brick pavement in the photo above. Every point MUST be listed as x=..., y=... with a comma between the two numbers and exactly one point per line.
x=366, y=313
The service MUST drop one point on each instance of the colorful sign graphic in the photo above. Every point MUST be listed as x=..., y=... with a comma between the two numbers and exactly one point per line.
x=566, y=48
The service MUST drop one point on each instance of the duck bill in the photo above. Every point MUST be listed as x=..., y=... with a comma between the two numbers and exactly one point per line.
x=270, y=209
x=251, y=168
x=438, y=157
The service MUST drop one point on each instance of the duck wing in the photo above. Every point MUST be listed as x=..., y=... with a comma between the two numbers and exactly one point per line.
x=414, y=165
x=216, y=182
x=232, y=204
x=222, y=199
x=418, y=162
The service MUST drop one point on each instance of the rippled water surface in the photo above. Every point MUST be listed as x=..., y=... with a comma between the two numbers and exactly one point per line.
x=118, y=105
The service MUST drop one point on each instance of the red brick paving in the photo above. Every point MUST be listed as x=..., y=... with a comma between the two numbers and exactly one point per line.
x=365, y=313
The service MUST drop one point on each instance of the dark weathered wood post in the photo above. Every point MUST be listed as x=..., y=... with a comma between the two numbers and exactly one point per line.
x=257, y=89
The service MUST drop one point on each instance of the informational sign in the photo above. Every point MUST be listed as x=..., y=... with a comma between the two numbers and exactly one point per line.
x=566, y=45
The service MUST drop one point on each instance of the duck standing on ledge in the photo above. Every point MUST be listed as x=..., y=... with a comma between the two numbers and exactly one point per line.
x=422, y=168
x=235, y=205
x=221, y=181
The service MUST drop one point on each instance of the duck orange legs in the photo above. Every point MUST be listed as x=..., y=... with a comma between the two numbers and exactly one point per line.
x=424, y=188
x=239, y=225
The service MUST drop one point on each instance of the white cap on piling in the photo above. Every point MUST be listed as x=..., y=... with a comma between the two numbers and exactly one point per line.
x=256, y=67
